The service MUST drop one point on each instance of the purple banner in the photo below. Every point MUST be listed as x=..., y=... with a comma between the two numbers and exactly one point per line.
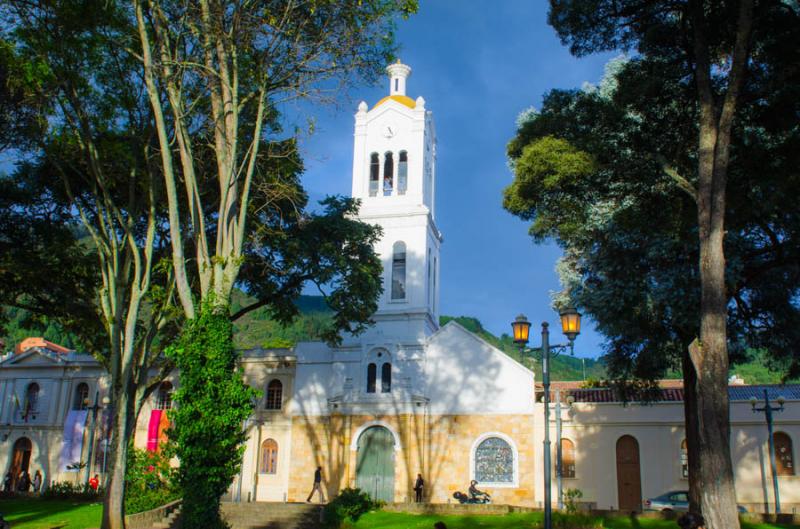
x=73, y=440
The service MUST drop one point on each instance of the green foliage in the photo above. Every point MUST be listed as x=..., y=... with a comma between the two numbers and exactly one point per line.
x=330, y=249
x=626, y=223
x=571, y=497
x=66, y=490
x=150, y=480
x=349, y=505
x=20, y=324
x=545, y=167
x=212, y=404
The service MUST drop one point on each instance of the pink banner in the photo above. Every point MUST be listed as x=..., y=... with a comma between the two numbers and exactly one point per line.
x=153, y=428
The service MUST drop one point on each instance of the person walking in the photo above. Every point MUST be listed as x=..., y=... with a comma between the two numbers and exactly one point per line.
x=317, y=486
x=419, y=485
x=37, y=481
x=7, y=482
x=94, y=483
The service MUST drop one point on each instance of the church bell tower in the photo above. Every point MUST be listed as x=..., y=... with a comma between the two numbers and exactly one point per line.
x=394, y=176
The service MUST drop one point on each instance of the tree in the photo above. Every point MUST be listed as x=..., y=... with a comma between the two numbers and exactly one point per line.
x=90, y=187
x=216, y=73
x=106, y=161
x=635, y=190
x=18, y=108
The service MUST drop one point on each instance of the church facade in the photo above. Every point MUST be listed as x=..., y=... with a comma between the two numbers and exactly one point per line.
x=406, y=397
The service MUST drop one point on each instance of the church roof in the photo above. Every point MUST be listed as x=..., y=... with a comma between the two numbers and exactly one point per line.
x=670, y=392
x=403, y=100
x=30, y=343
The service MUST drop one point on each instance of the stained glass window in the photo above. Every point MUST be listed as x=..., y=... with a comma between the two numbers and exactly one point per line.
x=494, y=461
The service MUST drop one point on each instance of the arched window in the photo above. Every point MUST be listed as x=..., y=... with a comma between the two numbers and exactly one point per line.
x=274, y=395
x=32, y=398
x=399, y=270
x=269, y=457
x=402, y=173
x=164, y=396
x=372, y=372
x=374, y=174
x=567, y=458
x=386, y=377
x=388, y=174
x=784, y=458
x=81, y=397
x=494, y=461
x=684, y=460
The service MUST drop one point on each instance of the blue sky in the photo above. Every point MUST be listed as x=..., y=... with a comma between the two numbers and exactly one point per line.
x=478, y=64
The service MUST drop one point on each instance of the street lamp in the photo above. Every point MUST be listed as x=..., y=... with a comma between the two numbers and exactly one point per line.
x=768, y=409
x=94, y=409
x=571, y=327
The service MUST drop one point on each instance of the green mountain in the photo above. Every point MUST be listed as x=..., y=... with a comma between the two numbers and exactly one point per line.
x=258, y=329
x=562, y=367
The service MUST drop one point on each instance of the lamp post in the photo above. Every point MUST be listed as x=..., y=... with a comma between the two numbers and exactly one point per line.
x=571, y=327
x=768, y=409
x=94, y=409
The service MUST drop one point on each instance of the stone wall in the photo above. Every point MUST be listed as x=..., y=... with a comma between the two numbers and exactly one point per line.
x=438, y=447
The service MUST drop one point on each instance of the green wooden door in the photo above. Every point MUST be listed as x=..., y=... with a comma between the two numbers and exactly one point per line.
x=375, y=463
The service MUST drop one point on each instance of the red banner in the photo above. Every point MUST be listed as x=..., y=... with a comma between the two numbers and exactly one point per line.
x=153, y=430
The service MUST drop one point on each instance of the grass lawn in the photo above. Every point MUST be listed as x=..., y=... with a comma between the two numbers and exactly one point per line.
x=44, y=514
x=390, y=520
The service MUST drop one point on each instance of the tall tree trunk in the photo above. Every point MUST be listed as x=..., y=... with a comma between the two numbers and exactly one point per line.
x=710, y=359
x=709, y=355
x=122, y=432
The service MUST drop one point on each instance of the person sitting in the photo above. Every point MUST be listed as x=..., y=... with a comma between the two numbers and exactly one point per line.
x=476, y=494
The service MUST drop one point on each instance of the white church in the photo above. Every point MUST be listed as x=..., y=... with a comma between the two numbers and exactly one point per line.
x=407, y=396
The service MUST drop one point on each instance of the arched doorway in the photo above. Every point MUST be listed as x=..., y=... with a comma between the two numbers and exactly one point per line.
x=629, y=483
x=375, y=463
x=20, y=460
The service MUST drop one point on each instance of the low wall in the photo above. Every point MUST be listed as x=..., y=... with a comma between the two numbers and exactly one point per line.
x=146, y=519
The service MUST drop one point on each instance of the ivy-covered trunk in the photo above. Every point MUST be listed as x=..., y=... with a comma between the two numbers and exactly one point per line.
x=212, y=403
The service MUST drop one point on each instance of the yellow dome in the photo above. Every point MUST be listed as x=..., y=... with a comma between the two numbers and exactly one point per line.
x=403, y=100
